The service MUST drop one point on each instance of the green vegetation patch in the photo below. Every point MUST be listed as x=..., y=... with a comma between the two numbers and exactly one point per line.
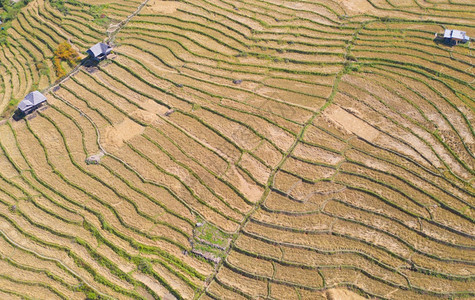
x=10, y=107
x=61, y=5
x=211, y=234
x=210, y=242
x=42, y=68
x=100, y=18
x=8, y=12
x=202, y=248
x=95, y=11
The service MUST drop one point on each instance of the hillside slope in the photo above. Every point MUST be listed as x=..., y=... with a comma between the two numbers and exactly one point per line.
x=245, y=149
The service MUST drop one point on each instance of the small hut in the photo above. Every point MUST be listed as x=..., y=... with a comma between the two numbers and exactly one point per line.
x=99, y=51
x=453, y=36
x=31, y=102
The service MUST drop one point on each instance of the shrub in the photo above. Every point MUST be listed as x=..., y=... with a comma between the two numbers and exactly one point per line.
x=97, y=11
x=42, y=68
x=64, y=52
x=145, y=266
x=60, y=5
x=91, y=296
x=9, y=13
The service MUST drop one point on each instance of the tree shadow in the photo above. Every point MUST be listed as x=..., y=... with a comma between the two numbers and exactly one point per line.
x=89, y=62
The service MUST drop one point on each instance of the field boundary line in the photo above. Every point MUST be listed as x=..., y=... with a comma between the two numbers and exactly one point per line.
x=113, y=33
x=101, y=148
x=287, y=154
x=110, y=39
x=56, y=260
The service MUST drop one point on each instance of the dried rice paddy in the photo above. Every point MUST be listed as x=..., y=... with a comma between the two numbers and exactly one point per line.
x=246, y=150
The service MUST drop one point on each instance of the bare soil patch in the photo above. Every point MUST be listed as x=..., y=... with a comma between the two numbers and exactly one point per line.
x=162, y=7
x=342, y=294
x=356, y=7
x=244, y=184
x=116, y=135
x=351, y=123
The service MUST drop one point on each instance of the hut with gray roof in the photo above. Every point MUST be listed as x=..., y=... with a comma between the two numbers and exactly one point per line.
x=31, y=102
x=99, y=51
x=453, y=36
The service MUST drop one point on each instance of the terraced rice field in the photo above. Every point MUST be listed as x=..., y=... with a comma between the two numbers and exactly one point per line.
x=248, y=149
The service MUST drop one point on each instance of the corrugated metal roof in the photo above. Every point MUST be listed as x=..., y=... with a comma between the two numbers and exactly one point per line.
x=99, y=49
x=32, y=99
x=455, y=34
x=447, y=33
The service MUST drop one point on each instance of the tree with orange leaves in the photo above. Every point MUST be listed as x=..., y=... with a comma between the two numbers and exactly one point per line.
x=64, y=52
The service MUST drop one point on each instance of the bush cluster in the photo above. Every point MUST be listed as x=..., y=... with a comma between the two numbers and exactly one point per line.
x=61, y=5
x=8, y=13
x=64, y=52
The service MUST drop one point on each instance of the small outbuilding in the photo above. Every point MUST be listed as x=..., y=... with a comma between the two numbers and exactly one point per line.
x=31, y=102
x=99, y=51
x=455, y=36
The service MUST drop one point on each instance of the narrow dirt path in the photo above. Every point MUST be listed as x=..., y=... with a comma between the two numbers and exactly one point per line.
x=117, y=27
x=110, y=39
x=111, y=36
x=272, y=175
x=274, y=172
